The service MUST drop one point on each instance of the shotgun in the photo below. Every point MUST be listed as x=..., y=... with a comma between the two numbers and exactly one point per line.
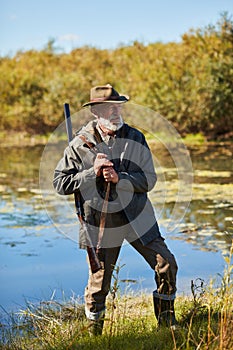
x=92, y=256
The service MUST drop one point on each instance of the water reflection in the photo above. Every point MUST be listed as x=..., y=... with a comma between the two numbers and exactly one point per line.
x=27, y=233
x=207, y=219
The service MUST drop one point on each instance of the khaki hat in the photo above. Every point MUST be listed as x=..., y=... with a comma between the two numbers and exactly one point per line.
x=105, y=93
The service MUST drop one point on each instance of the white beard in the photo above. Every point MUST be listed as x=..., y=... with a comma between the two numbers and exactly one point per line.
x=108, y=124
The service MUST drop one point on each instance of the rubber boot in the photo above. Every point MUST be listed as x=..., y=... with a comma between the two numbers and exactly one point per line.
x=96, y=327
x=164, y=312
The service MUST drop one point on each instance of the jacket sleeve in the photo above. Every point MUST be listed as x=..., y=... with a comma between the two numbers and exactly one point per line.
x=70, y=174
x=138, y=174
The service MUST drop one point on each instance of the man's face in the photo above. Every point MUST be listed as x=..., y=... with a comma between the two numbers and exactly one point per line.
x=109, y=115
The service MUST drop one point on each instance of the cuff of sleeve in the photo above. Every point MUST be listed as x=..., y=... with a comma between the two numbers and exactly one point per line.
x=124, y=182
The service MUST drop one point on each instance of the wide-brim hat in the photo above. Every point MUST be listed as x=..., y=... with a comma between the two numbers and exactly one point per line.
x=105, y=94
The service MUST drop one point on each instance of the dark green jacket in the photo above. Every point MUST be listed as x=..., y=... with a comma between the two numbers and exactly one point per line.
x=128, y=201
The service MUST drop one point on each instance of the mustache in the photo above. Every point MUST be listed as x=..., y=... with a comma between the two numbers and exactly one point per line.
x=113, y=123
x=114, y=117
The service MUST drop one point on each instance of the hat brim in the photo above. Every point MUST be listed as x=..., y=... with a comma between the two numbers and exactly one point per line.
x=120, y=99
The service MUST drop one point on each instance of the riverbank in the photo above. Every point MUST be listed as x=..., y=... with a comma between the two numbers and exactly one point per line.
x=204, y=322
x=23, y=139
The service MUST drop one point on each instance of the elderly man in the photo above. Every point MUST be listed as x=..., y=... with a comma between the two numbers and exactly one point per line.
x=109, y=166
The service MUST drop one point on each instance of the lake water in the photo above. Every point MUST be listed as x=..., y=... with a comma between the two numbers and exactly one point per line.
x=39, y=255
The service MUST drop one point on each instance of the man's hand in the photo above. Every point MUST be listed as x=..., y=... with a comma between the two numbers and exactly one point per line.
x=104, y=166
x=101, y=162
x=110, y=175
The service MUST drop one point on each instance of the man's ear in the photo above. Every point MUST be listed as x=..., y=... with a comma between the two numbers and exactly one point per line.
x=97, y=110
x=93, y=110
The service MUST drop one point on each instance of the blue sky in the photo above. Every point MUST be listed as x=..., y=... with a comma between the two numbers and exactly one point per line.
x=29, y=24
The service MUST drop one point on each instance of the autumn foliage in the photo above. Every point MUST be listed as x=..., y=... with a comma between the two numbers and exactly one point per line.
x=190, y=82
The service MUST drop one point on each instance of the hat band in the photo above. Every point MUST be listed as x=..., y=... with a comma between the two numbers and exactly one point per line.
x=105, y=98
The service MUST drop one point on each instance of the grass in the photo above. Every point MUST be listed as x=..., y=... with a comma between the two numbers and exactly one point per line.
x=194, y=139
x=205, y=321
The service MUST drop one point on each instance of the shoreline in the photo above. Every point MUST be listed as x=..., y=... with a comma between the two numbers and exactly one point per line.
x=23, y=139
